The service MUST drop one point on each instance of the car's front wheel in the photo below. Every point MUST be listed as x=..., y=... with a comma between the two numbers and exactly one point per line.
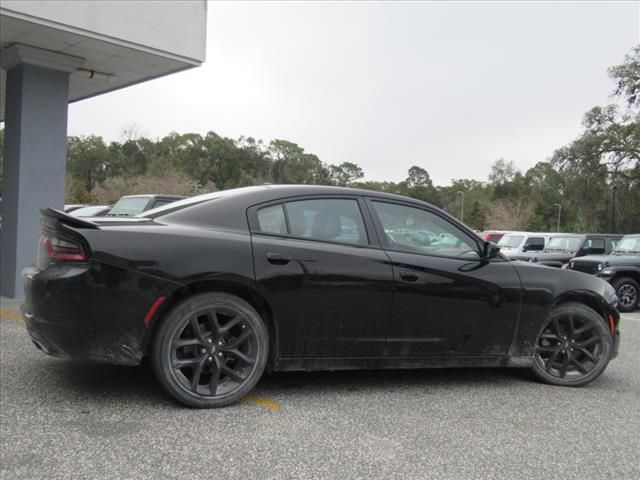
x=574, y=346
x=628, y=292
x=210, y=350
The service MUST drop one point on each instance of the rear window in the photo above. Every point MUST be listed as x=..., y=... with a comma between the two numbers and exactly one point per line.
x=330, y=219
x=334, y=220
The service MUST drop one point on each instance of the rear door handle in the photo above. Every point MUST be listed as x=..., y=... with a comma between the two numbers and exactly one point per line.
x=278, y=258
x=409, y=276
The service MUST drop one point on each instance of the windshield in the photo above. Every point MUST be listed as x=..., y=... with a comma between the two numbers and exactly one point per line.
x=510, y=241
x=628, y=245
x=129, y=206
x=569, y=244
x=88, y=211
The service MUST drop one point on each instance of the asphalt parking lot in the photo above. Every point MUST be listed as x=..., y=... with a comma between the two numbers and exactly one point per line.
x=61, y=420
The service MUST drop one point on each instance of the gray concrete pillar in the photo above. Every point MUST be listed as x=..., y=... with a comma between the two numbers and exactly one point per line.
x=37, y=95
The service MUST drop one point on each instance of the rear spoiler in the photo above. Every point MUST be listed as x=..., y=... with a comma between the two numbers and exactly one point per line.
x=67, y=219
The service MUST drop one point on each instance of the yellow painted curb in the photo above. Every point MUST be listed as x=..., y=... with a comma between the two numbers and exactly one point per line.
x=11, y=315
x=263, y=402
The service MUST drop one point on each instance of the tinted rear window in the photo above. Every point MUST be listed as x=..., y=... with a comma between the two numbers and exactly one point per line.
x=271, y=219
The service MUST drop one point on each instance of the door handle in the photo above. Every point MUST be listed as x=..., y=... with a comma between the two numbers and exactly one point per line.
x=409, y=276
x=278, y=258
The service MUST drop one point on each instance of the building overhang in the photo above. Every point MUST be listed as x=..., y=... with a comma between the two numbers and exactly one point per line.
x=108, y=45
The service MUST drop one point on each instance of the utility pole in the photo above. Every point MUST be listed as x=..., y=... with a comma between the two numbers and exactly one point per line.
x=461, y=205
x=613, y=208
x=559, y=213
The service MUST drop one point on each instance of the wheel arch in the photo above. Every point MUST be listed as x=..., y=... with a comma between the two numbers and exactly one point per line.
x=235, y=287
x=629, y=272
x=590, y=299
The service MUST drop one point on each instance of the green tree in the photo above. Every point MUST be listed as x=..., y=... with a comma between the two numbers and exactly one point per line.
x=291, y=164
x=87, y=160
x=418, y=185
x=627, y=78
x=605, y=155
x=345, y=174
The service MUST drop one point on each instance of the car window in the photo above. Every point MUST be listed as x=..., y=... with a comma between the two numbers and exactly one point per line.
x=510, y=241
x=129, y=206
x=595, y=245
x=272, y=220
x=534, y=244
x=417, y=230
x=335, y=220
x=161, y=203
x=564, y=244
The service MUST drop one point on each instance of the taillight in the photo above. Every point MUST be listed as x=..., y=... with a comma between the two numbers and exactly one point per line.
x=61, y=247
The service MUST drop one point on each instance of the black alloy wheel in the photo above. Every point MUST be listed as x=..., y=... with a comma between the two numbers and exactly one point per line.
x=628, y=293
x=210, y=350
x=574, y=346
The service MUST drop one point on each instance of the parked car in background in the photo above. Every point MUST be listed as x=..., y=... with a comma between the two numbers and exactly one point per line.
x=218, y=288
x=493, y=235
x=68, y=208
x=515, y=243
x=562, y=247
x=621, y=269
x=132, y=205
x=91, y=211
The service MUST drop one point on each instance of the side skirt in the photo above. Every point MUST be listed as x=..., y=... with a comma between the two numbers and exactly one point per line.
x=287, y=364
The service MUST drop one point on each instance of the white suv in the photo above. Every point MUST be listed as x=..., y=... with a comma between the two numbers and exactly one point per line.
x=515, y=243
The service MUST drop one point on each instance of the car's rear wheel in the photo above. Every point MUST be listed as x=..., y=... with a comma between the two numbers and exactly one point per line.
x=628, y=292
x=210, y=350
x=573, y=347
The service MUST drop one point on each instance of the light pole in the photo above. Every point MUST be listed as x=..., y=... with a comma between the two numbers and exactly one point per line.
x=559, y=213
x=613, y=208
x=461, y=193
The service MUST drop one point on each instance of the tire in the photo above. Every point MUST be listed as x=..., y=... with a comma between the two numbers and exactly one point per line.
x=573, y=347
x=210, y=350
x=628, y=292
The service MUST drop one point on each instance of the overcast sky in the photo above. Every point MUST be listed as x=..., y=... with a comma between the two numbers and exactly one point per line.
x=451, y=87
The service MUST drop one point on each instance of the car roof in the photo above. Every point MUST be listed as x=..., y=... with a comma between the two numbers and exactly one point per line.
x=232, y=204
x=266, y=193
x=153, y=195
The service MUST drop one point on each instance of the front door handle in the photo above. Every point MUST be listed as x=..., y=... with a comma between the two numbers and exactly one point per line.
x=278, y=258
x=409, y=276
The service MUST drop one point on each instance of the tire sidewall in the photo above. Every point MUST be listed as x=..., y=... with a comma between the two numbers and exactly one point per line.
x=618, y=284
x=173, y=321
x=584, y=311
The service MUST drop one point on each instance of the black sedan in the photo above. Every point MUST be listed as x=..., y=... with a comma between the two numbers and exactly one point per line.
x=217, y=288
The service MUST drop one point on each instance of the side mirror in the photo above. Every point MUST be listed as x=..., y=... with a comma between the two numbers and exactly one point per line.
x=525, y=248
x=490, y=250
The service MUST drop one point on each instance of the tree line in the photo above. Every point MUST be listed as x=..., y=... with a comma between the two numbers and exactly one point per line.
x=594, y=180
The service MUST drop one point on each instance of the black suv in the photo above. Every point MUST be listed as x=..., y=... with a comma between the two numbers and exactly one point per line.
x=621, y=269
x=562, y=247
